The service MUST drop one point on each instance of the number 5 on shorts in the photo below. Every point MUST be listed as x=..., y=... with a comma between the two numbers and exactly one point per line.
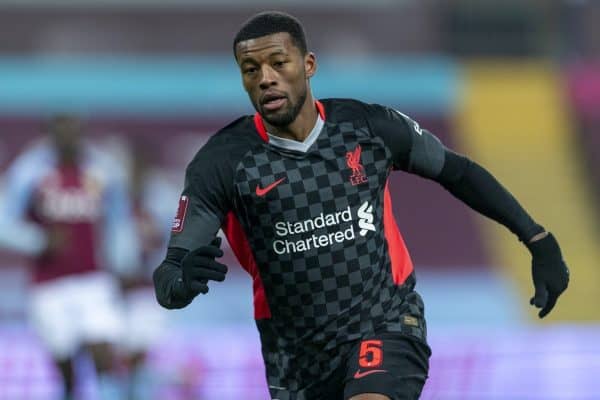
x=371, y=354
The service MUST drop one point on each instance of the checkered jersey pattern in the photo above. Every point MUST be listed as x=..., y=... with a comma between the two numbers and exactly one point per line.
x=320, y=297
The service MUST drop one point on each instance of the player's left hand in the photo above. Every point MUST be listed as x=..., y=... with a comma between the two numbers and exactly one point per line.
x=550, y=273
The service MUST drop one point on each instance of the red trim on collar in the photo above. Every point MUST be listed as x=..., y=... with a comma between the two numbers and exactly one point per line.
x=320, y=109
x=260, y=127
x=262, y=130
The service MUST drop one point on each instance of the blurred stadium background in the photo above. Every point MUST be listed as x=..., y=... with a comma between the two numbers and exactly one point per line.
x=514, y=84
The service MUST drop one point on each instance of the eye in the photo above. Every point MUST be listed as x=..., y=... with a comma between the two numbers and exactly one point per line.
x=249, y=70
x=278, y=64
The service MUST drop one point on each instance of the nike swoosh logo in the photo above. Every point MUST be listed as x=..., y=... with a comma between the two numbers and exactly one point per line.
x=359, y=374
x=262, y=191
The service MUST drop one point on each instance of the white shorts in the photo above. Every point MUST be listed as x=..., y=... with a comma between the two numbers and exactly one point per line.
x=145, y=319
x=69, y=312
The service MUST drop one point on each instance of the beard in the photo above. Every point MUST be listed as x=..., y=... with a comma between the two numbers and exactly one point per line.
x=285, y=117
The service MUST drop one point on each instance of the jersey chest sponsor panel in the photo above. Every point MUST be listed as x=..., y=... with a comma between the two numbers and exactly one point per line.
x=305, y=202
x=317, y=235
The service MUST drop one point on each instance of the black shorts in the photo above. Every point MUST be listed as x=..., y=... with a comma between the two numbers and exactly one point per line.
x=392, y=364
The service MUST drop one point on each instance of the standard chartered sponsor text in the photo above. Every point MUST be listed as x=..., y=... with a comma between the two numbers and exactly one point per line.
x=284, y=229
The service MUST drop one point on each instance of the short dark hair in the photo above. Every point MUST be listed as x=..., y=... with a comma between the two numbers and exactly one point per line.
x=270, y=22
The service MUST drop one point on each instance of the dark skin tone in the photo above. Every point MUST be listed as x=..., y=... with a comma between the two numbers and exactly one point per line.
x=65, y=132
x=276, y=75
x=273, y=68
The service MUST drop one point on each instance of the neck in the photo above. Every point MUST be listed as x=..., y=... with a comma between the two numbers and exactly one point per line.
x=301, y=126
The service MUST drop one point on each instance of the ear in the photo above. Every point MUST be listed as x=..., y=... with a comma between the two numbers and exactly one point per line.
x=310, y=64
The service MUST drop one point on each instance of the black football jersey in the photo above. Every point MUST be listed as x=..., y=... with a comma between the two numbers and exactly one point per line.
x=312, y=224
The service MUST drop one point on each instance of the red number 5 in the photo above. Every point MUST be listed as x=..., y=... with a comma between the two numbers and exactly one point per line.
x=371, y=353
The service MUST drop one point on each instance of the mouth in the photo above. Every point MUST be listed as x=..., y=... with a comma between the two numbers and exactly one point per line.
x=273, y=101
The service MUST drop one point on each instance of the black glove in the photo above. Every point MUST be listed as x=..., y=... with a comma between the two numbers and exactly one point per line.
x=550, y=273
x=199, y=266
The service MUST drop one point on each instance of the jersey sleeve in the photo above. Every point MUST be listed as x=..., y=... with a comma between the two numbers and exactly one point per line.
x=18, y=188
x=206, y=198
x=413, y=149
x=418, y=151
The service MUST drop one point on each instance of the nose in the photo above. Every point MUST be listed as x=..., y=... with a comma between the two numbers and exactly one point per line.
x=268, y=77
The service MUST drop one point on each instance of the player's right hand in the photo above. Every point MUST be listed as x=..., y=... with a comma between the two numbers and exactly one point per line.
x=199, y=267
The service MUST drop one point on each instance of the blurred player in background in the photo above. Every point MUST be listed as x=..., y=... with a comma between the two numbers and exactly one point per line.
x=67, y=208
x=300, y=190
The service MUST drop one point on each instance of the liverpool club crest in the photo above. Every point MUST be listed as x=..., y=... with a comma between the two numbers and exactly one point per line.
x=358, y=171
